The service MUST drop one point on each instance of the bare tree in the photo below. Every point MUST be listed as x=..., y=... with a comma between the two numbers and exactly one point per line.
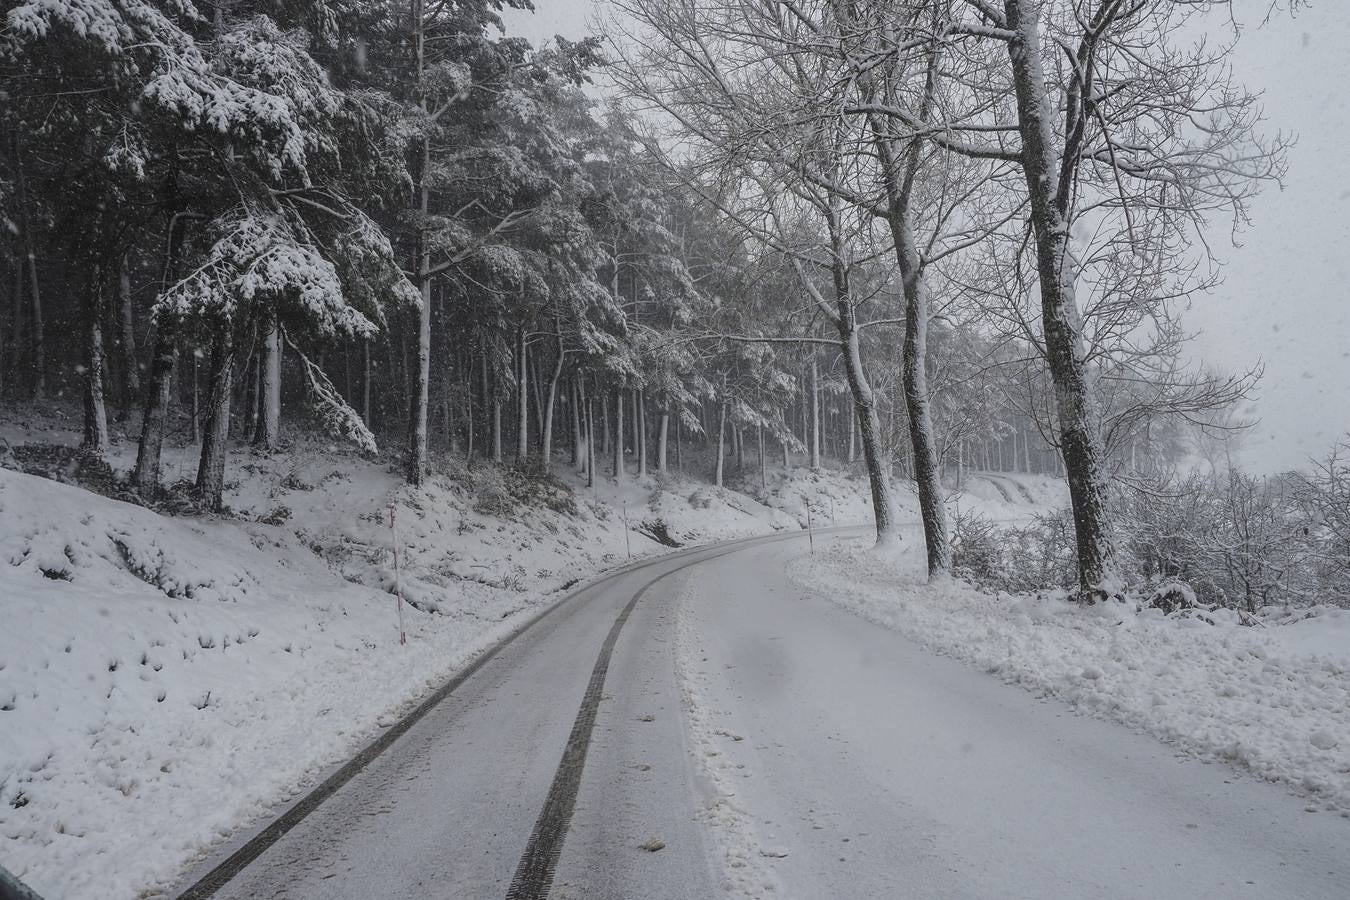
x=1109, y=114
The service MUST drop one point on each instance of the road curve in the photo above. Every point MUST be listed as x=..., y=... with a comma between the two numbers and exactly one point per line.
x=696, y=727
x=448, y=807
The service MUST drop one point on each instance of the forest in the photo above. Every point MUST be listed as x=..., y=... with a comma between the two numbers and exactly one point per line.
x=916, y=237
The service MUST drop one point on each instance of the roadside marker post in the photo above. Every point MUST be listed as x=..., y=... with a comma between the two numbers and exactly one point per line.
x=398, y=586
x=627, y=544
x=810, y=531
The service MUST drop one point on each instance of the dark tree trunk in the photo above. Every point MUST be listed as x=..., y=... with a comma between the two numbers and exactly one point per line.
x=522, y=399
x=641, y=436
x=721, y=441
x=899, y=184
x=216, y=434
x=590, y=442
x=154, y=419
x=95, y=408
x=1050, y=198
x=579, y=458
x=618, y=435
x=131, y=372
x=37, y=336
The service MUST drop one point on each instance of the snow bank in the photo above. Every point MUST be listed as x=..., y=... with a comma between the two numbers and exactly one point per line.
x=1274, y=700
x=165, y=681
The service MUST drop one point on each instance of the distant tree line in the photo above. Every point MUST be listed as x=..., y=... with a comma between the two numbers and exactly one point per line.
x=949, y=235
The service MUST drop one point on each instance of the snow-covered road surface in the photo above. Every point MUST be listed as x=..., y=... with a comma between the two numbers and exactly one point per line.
x=775, y=745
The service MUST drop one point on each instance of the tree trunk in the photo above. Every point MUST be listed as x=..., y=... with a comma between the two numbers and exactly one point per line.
x=763, y=468
x=815, y=413
x=194, y=403
x=269, y=387
x=496, y=430
x=618, y=434
x=641, y=436
x=578, y=450
x=550, y=399
x=215, y=438
x=145, y=477
x=590, y=442
x=37, y=335
x=131, y=372
x=1061, y=321
x=522, y=400
x=662, y=429
x=721, y=440
x=95, y=409
x=865, y=406
x=417, y=425
x=899, y=185
x=927, y=472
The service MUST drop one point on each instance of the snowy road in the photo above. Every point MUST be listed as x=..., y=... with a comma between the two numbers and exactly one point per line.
x=777, y=745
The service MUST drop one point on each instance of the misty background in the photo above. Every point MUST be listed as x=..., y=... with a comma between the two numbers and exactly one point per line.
x=1284, y=300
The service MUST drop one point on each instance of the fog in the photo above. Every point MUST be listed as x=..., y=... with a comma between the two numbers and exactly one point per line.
x=1283, y=301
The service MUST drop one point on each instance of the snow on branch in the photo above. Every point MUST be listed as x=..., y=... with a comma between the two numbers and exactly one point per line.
x=335, y=414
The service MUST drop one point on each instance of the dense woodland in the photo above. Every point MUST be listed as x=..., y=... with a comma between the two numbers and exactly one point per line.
x=926, y=236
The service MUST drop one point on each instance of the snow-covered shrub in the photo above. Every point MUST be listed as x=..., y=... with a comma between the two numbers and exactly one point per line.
x=1017, y=558
x=1239, y=541
x=500, y=491
x=1324, y=496
x=978, y=549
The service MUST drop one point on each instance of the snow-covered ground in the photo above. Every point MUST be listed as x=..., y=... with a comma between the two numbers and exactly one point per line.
x=1274, y=699
x=165, y=680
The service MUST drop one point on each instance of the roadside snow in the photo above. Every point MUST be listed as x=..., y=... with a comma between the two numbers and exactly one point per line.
x=166, y=680
x=1275, y=700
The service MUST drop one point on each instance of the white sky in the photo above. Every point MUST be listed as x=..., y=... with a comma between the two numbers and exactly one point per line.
x=1286, y=293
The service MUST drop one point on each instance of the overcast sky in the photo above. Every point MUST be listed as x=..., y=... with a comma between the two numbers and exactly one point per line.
x=1286, y=293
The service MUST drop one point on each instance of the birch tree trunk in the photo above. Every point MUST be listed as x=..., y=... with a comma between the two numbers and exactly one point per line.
x=1080, y=444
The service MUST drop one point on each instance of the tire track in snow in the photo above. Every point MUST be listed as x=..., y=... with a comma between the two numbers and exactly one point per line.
x=534, y=874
